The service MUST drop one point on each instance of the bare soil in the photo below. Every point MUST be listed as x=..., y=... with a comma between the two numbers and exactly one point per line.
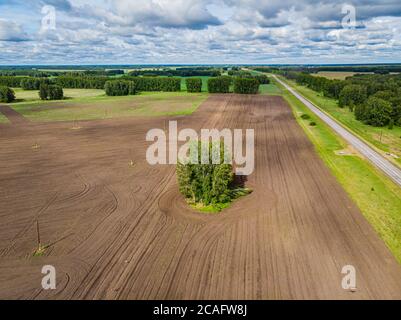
x=116, y=229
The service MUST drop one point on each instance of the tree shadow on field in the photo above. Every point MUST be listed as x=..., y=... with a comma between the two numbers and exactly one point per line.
x=239, y=181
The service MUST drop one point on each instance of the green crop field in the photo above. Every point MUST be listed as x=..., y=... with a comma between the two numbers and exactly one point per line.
x=90, y=107
x=29, y=96
x=376, y=195
x=334, y=75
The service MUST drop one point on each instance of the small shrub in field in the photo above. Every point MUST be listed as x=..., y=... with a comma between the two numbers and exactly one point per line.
x=312, y=124
x=246, y=85
x=6, y=94
x=194, y=84
x=305, y=116
x=391, y=124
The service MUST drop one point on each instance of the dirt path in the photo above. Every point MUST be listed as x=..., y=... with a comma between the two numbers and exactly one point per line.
x=117, y=231
x=13, y=116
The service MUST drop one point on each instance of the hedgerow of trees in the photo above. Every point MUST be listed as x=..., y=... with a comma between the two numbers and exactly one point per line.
x=33, y=83
x=219, y=84
x=155, y=83
x=120, y=88
x=262, y=78
x=246, y=85
x=50, y=92
x=194, y=84
x=9, y=81
x=6, y=94
x=81, y=82
x=375, y=99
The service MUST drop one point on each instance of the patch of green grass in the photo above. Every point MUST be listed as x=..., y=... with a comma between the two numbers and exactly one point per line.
x=218, y=207
x=378, y=198
x=40, y=251
x=104, y=107
x=270, y=89
x=31, y=96
x=384, y=139
x=3, y=118
x=212, y=208
x=335, y=75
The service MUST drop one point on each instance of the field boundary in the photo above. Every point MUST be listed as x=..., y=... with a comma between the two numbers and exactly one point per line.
x=13, y=116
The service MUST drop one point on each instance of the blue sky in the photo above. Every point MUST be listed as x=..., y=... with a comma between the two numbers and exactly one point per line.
x=199, y=31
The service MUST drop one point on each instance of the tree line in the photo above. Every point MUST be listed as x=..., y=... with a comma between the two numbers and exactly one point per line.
x=375, y=99
x=127, y=85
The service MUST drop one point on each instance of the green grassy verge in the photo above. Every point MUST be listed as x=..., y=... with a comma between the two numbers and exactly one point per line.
x=3, y=118
x=104, y=107
x=269, y=89
x=376, y=195
x=384, y=139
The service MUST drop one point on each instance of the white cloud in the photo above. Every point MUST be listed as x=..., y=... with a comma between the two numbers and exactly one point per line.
x=195, y=31
x=11, y=31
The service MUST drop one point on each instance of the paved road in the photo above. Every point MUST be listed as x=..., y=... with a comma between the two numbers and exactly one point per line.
x=374, y=157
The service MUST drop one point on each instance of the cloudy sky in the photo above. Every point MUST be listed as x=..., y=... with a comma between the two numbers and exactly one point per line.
x=199, y=31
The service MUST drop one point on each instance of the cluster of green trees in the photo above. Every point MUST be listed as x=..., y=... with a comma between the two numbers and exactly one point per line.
x=246, y=85
x=206, y=184
x=107, y=73
x=374, y=98
x=50, y=92
x=219, y=84
x=330, y=88
x=6, y=94
x=10, y=81
x=375, y=111
x=28, y=73
x=33, y=83
x=156, y=83
x=194, y=84
x=120, y=88
x=242, y=85
x=262, y=78
x=378, y=69
x=352, y=95
x=81, y=82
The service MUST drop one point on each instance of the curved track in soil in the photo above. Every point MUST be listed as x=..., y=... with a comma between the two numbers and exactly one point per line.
x=121, y=231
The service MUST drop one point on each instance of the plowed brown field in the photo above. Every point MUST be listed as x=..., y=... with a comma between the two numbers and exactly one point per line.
x=121, y=231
